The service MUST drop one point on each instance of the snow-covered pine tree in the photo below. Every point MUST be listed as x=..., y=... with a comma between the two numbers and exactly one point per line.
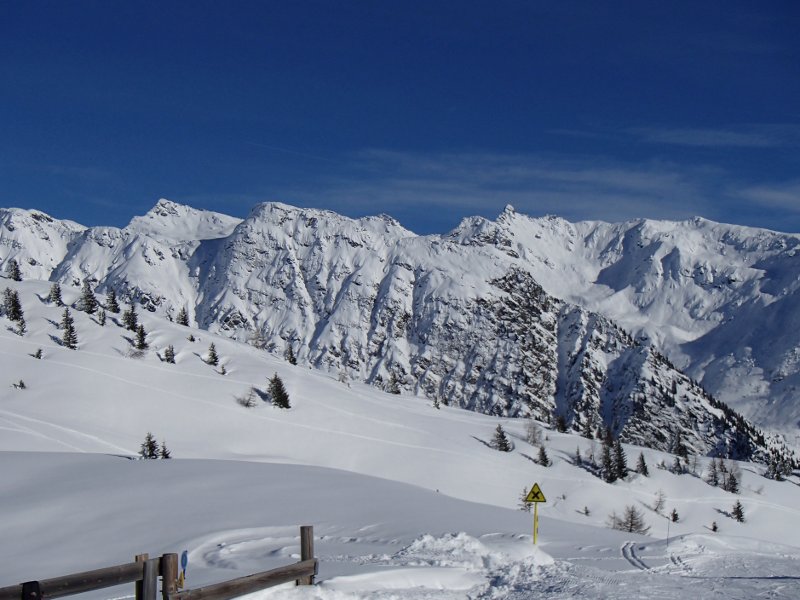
x=101, y=317
x=21, y=326
x=88, y=303
x=712, y=478
x=111, y=302
x=141, y=338
x=543, y=459
x=163, y=451
x=500, y=441
x=587, y=430
x=641, y=466
x=212, y=358
x=149, y=448
x=13, y=270
x=674, y=515
x=183, y=317
x=578, y=457
x=738, y=511
x=11, y=305
x=290, y=357
x=731, y=482
x=130, y=319
x=607, y=466
x=169, y=354
x=278, y=393
x=69, y=336
x=54, y=297
x=620, y=460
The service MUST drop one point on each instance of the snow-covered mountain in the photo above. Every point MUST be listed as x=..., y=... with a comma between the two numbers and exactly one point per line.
x=502, y=317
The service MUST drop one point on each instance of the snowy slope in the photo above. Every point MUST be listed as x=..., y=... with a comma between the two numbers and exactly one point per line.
x=720, y=300
x=477, y=318
x=408, y=501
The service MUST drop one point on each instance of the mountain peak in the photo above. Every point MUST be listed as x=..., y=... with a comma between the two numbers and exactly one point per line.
x=174, y=221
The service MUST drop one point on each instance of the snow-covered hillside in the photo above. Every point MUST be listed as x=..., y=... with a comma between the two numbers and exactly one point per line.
x=408, y=501
x=475, y=318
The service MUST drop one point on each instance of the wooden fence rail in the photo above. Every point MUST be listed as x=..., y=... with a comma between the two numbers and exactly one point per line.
x=145, y=572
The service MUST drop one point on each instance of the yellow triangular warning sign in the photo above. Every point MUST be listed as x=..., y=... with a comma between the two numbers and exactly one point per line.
x=535, y=495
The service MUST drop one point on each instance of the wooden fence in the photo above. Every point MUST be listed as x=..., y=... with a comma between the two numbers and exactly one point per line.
x=145, y=572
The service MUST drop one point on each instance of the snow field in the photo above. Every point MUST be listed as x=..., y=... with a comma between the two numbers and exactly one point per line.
x=407, y=501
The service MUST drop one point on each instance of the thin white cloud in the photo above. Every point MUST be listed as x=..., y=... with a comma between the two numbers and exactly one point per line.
x=785, y=196
x=483, y=183
x=745, y=136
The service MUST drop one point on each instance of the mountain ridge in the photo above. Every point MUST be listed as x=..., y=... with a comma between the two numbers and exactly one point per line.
x=433, y=315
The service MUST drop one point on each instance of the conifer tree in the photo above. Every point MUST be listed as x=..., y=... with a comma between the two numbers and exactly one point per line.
x=169, y=354
x=713, y=473
x=290, y=357
x=88, y=302
x=130, y=319
x=13, y=270
x=149, y=448
x=55, y=295
x=731, y=483
x=141, y=338
x=588, y=428
x=183, y=317
x=101, y=317
x=278, y=393
x=212, y=358
x=607, y=466
x=69, y=336
x=543, y=459
x=738, y=512
x=21, y=326
x=620, y=461
x=11, y=305
x=500, y=441
x=674, y=515
x=578, y=458
x=641, y=466
x=561, y=424
x=163, y=452
x=111, y=302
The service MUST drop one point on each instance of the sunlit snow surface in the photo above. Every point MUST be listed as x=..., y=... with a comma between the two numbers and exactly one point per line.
x=407, y=501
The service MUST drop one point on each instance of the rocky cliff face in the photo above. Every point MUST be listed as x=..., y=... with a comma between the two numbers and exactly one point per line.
x=467, y=318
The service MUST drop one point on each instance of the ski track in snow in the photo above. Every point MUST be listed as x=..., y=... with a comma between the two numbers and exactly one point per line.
x=629, y=554
x=69, y=430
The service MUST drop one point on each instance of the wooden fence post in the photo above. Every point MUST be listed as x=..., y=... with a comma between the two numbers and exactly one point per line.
x=169, y=575
x=306, y=551
x=150, y=580
x=140, y=558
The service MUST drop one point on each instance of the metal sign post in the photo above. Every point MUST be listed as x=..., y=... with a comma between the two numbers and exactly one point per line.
x=535, y=496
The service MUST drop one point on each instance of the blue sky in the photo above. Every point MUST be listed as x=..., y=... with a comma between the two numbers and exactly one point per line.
x=428, y=111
